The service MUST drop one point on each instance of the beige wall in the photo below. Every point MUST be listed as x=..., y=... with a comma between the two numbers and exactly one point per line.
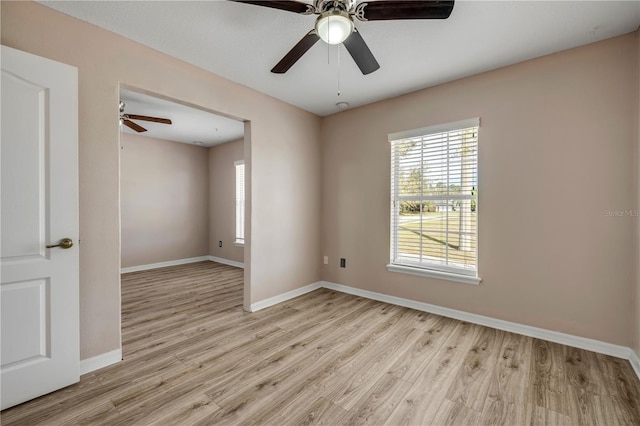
x=177, y=200
x=222, y=200
x=164, y=199
x=281, y=149
x=556, y=149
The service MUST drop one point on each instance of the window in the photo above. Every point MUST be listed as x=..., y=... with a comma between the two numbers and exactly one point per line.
x=434, y=201
x=239, y=202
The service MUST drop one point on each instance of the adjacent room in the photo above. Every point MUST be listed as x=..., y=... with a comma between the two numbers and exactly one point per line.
x=320, y=212
x=179, y=181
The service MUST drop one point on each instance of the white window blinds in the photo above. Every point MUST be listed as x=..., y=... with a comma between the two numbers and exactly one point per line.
x=239, y=201
x=434, y=197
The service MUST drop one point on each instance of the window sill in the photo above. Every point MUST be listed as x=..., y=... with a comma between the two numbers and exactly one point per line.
x=238, y=243
x=466, y=279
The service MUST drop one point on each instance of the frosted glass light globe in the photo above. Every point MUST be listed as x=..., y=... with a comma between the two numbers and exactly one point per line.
x=334, y=28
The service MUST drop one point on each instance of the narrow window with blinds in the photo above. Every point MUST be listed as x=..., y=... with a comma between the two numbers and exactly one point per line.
x=434, y=201
x=239, y=202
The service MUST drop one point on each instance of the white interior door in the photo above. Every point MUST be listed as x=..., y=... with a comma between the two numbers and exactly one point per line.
x=39, y=340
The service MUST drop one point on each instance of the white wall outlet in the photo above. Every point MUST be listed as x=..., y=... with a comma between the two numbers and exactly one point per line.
x=326, y=260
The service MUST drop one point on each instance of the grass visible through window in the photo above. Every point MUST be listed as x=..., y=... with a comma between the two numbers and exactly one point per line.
x=432, y=237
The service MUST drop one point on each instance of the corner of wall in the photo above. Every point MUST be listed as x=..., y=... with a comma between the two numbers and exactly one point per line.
x=636, y=295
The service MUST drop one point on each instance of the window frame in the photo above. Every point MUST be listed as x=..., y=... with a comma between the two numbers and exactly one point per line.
x=240, y=210
x=422, y=267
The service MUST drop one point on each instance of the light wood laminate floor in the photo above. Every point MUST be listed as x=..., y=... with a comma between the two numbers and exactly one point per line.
x=192, y=356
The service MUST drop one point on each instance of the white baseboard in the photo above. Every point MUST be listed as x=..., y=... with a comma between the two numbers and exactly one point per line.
x=225, y=261
x=526, y=330
x=181, y=262
x=164, y=264
x=635, y=362
x=284, y=297
x=100, y=361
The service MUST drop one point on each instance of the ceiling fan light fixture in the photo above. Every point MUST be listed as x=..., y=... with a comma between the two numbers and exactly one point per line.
x=333, y=27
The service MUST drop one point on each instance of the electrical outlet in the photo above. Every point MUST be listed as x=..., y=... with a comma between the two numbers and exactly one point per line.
x=343, y=262
x=219, y=243
x=326, y=260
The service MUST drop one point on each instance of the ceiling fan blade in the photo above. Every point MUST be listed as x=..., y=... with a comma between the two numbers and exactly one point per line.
x=134, y=126
x=296, y=53
x=403, y=9
x=289, y=6
x=147, y=118
x=360, y=53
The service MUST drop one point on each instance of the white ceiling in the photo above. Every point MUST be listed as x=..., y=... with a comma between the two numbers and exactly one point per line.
x=243, y=42
x=189, y=125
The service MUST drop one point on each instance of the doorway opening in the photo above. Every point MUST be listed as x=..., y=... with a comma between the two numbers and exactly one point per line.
x=180, y=201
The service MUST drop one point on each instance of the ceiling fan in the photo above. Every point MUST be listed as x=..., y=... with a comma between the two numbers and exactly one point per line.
x=334, y=24
x=126, y=119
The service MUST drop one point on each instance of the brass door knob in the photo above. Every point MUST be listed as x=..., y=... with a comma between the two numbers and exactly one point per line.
x=64, y=243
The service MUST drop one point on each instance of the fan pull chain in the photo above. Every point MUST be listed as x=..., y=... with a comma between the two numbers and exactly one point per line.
x=338, y=70
x=328, y=54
